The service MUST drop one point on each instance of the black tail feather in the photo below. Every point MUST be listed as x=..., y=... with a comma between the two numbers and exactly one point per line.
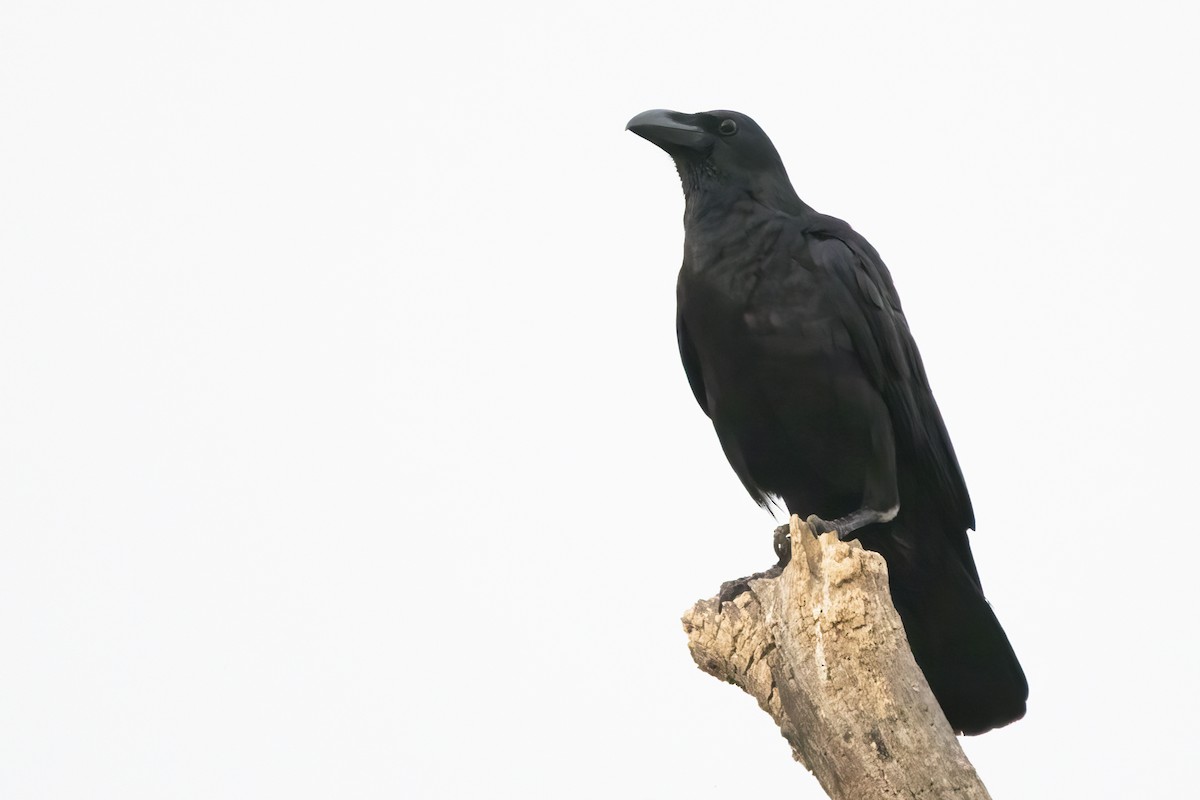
x=965, y=655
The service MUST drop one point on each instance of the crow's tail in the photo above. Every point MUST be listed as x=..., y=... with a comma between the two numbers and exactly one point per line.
x=965, y=655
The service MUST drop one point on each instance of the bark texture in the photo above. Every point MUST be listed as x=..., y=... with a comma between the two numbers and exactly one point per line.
x=821, y=648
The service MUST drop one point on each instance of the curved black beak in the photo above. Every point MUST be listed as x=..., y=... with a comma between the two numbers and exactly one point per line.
x=670, y=130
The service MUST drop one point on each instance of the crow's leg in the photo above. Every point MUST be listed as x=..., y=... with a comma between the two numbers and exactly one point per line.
x=847, y=525
x=881, y=493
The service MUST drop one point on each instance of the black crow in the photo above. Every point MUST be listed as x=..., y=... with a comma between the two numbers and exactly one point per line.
x=795, y=345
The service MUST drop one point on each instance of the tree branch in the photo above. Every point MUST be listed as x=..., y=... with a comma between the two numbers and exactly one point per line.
x=821, y=648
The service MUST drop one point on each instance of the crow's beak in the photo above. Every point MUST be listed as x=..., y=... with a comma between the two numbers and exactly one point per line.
x=670, y=130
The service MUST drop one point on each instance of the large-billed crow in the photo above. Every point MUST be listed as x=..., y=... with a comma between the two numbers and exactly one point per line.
x=795, y=345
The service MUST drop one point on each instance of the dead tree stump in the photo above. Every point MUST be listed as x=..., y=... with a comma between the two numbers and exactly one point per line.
x=821, y=648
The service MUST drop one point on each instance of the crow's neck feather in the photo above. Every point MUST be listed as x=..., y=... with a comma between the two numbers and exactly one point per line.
x=705, y=186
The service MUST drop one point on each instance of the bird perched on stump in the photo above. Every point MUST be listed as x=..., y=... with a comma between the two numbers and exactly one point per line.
x=796, y=346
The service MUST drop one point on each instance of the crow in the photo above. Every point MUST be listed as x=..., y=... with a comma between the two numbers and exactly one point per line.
x=795, y=345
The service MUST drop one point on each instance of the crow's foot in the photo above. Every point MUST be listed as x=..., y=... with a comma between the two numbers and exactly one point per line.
x=847, y=527
x=783, y=549
x=783, y=545
x=731, y=589
x=820, y=526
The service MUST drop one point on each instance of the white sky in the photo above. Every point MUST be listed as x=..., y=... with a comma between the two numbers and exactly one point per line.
x=344, y=448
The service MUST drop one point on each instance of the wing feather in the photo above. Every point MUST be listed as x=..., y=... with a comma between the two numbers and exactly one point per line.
x=870, y=308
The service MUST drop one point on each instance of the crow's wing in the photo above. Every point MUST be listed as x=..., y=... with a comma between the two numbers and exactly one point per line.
x=691, y=362
x=869, y=308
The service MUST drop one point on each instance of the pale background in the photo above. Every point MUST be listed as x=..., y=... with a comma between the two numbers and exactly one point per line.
x=344, y=448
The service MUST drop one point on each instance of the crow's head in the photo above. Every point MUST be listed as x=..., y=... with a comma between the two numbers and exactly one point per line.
x=719, y=150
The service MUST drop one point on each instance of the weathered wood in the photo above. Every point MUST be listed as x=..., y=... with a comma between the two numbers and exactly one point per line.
x=821, y=648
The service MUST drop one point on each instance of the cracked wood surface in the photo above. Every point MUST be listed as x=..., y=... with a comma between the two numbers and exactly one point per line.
x=822, y=650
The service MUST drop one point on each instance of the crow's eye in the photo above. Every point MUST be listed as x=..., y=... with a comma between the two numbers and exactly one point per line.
x=727, y=127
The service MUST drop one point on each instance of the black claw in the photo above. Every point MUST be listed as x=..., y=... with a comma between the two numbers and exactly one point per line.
x=783, y=545
x=818, y=525
x=731, y=589
x=783, y=548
